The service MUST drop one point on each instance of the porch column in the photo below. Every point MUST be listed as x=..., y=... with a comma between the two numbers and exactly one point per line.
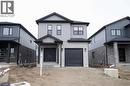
x=63, y=58
x=38, y=59
x=17, y=55
x=41, y=61
x=8, y=57
x=116, y=53
x=59, y=54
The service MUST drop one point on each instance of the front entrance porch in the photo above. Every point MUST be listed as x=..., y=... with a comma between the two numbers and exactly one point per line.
x=123, y=52
x=8, y=51
x=118, y=53
x=51, y=55
x=49, y=51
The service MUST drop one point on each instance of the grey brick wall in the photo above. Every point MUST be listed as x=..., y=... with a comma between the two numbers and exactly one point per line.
x=97, y=56
x=110, y=54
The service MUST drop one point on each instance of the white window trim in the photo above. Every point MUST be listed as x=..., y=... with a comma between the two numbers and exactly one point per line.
x=79, y=31
x=7, y=31
x=59, y=30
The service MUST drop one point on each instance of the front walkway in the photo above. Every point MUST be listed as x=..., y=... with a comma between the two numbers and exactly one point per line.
x=65, y=77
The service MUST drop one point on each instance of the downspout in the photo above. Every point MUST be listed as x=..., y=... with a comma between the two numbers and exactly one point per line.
x=106, y=47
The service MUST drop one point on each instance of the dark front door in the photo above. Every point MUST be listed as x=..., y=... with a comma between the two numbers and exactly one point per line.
x=50, y=54
x=73, y=57
x=122, y=57
x=3, y=54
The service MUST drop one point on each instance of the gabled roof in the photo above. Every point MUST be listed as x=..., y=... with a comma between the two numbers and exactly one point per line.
x=52, y=14
x=11, y=24
x=50, y=36
x=108, y=25
x=43, y=20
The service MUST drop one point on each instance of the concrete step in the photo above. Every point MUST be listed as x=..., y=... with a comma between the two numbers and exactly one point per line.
x=49, y=64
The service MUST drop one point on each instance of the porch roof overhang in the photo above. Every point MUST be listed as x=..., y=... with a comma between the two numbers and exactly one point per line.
x=9, y=41
x=121, y=40
x=56, y=40
x=78, y=40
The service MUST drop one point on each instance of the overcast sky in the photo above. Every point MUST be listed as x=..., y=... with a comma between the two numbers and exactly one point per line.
x=97, y=12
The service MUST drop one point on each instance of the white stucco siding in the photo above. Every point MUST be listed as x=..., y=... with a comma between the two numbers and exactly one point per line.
x=98, y=40
x=65, y=31
x=25, y=39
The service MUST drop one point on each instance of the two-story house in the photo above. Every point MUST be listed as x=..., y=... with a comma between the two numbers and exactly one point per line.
x=111, y=44
x=16, y=44
x=62, y=42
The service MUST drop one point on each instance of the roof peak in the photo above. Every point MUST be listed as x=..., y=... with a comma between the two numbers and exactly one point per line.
x=67, y=20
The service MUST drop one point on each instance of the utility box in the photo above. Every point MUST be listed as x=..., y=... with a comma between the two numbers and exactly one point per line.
x=111, y=72
x=21, y=84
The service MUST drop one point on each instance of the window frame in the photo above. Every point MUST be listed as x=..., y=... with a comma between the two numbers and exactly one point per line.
x=48, y=31
x=59, y=32
x=78, y=32
x=9, y=31
x=116, y=32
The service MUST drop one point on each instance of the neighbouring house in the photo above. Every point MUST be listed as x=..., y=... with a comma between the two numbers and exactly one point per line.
x=16, y=44
x=111, y=44
x=62, y=42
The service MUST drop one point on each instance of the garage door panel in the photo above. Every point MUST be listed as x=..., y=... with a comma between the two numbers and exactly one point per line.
x=74, y=57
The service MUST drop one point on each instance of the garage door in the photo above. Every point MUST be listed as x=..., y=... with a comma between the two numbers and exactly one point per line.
x=73, y=57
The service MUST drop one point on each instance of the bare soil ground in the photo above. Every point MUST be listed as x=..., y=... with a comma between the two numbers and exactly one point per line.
x=65, y=77
x=124, y=72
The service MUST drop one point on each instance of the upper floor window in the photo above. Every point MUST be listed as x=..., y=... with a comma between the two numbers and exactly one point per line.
x=58, y=29
x=78, y=30
x=7, y=31
x=49, y=29
x=116, y=32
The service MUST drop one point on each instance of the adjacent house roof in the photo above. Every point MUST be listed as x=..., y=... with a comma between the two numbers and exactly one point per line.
x=50, y=36
x=78, y=40
x=108, y=25
x=43, y=20
x=11, y=24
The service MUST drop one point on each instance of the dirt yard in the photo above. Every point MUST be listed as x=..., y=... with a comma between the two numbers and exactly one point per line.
x=65, y=77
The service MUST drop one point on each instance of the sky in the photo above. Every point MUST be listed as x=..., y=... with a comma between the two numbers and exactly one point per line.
x=97, y=12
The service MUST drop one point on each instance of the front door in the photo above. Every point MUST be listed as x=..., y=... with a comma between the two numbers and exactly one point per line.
x=3, y=54
x=49, y=54
x=122, y=57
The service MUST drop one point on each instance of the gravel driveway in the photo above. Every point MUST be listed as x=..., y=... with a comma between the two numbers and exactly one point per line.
x=65, y=77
